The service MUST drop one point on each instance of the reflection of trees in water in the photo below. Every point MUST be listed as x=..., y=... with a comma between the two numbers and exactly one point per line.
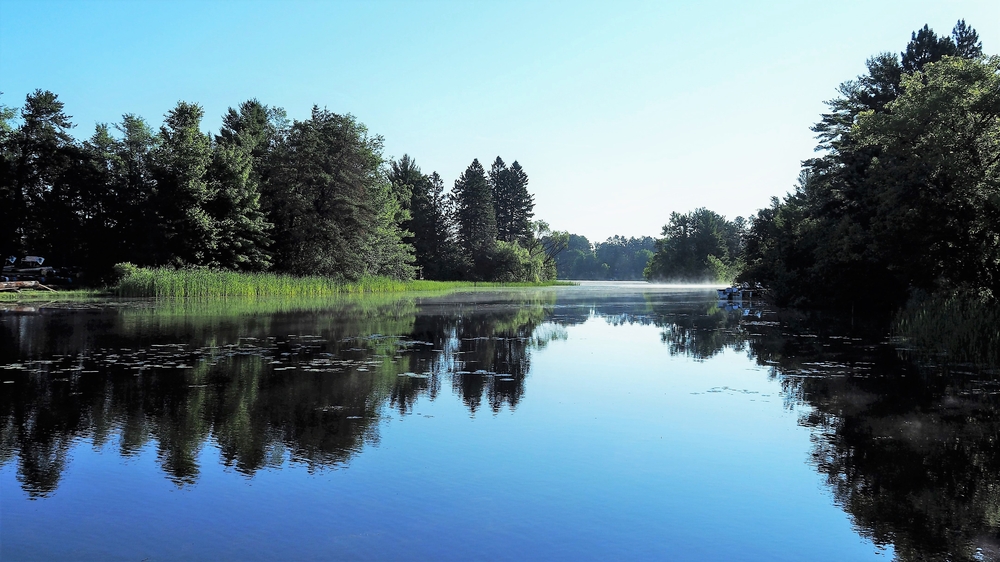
x=486, y=349
x=699, y=331
x=909, y=450
x=694, y=327
x=307, y=387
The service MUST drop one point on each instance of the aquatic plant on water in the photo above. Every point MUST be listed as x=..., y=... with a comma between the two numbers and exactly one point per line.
x=964, y=326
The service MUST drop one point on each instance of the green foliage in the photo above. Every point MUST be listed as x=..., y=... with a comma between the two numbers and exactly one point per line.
x=202, y=283
x=124, y=269
x=435, y=250
x=926, y=47
x=182, y=193
x=721, y=271
x=386, y=254
x=475, y=218
x=512, y=204
x=936, y=181
x=616, y=258
x=907, y=196
x=700, y=246
x=510, y=262
x=236, y=207
x=328, y=200
x=963, y=325
x=307, y=198
x=37, y=156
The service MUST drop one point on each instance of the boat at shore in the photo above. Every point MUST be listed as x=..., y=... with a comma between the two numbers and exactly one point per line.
x=33, y=268
x=741, y=292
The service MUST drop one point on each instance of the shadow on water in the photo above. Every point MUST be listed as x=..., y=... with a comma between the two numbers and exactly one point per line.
x=908, y=446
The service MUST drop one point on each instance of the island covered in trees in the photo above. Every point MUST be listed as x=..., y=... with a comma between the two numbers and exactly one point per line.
x=902, y=204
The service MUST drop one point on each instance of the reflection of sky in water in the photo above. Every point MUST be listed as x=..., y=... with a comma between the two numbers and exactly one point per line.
x=615, y=448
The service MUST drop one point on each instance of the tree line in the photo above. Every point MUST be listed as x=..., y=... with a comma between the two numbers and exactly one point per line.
x=698, y=247
x=905, y=198
x=617, y=258
x=309, y=197
x=903, y=201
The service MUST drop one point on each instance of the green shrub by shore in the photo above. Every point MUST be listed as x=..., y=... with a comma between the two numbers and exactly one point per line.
x=209, y=284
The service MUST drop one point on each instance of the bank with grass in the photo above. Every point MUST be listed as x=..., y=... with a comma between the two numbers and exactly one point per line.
x=210, y=284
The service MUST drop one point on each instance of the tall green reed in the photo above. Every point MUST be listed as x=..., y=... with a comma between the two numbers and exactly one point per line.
x=209, y=284
x=965, y=327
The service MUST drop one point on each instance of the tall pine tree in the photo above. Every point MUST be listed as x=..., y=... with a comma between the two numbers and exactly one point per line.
x=333, y=210
x=475, y=216
x=512, y=204
x=37, y=155
x=183, y=189
x=235, y=206
x=428, y=220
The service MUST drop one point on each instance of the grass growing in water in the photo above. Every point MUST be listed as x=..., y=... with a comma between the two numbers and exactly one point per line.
x=207, y=284
x=963, y=326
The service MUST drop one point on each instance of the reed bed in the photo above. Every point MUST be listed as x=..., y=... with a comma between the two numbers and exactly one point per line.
x=209, y=284
x=964, y=327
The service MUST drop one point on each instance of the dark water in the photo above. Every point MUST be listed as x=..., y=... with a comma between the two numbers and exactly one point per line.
x=595, y=422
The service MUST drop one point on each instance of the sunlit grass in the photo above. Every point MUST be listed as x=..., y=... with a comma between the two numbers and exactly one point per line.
x=208, y=284
x=34, y=296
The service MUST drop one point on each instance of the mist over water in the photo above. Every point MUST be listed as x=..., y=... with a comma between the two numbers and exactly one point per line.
x=606, y=420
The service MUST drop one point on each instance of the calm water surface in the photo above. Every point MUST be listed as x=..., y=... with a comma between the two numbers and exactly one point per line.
x=596, y=422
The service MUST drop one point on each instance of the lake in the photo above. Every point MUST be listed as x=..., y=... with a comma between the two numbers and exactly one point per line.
x=595, y=422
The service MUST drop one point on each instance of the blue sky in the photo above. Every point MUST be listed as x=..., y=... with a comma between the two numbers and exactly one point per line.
x=620, y=112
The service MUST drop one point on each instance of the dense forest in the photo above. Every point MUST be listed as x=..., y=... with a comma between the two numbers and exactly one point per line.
x=905, y=197
x=617, y=258
x=312, y=197
x=903, y=202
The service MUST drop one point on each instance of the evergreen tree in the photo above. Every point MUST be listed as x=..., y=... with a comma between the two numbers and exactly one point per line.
x=512, y=204
x=258, y=127
x=131, y=168
x=94, y=241
x=967, y=43
x=37, y=155
x=327, y=200
x=499, y=179
x=183, y=189
x=521, y=205
x=474, y=214
x=431, y=231
x=11, y=202
x=926, y=47
x=235, y=206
